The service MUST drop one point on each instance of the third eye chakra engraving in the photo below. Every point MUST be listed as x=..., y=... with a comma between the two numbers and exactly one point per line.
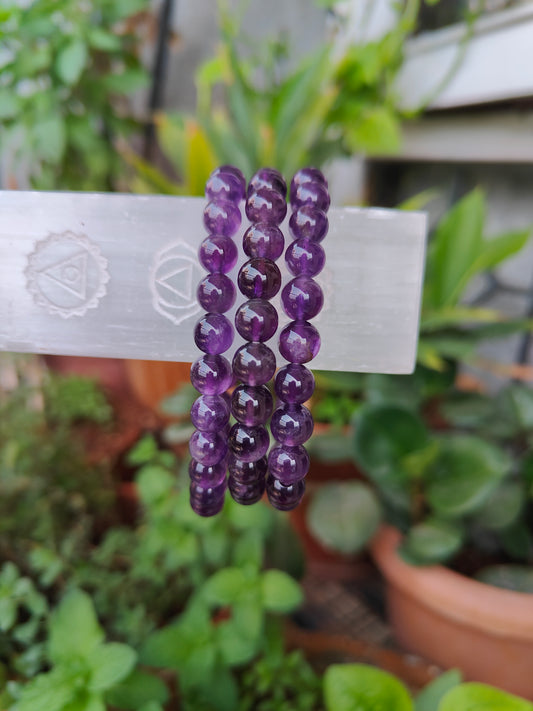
x=173, y=278
x=67, y=274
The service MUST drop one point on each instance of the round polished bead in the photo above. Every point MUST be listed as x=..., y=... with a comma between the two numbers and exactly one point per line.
x=256, y=320
x=207, y=476
x=263, y=240
x=247, y=472
x=292, y=425
x=246, y=494
x=222, y=217
x=304, y=257
x=311, y=193
x=248, y=443
x=259, y=278
x=309, y=222
x=207, y=501
x=233, y=171
x=294, y=384
x=211, y=374
x=288, y=464
x=208, y=447
x=218, y=253
x=254, y=364
x=307, y=175
x=284, y=497
x=216, y=293
x=302, y=298
x=266, y=205
x=299, y=342
x=213, y=334
x=224, y=186
x=267, y=178
x=251, y=404
x=210, y=413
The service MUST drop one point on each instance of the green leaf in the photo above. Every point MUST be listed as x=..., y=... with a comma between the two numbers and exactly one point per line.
x=344, y=516
x=127, y=82
x=49, y=136
x=377, y=131
x=224, y=587
x=75, y=612
x=234, y=646
x=155, y=483
x=103, y=40
x=10, y=104
x=431, y=695
x=509, y=577
x=8, y=613
x=498, y=249
x=109, y=664
x=431, y=542
x=503, y=507
x=180, y=402
x=71, y=60
x=480, y=697
x=358, y=687
x=515, y=403
x=280, y=592
x=222, y=694
x=420, y=200
x=51, y=691
x=330, y=447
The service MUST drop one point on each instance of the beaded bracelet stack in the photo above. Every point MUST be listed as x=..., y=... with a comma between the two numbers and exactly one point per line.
x=242, y=450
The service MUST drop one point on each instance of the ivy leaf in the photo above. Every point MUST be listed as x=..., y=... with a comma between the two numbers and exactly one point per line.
x=71, y=61
x=109, y=664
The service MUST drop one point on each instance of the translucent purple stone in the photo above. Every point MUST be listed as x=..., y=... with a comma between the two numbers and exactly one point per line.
x=309, y=222
x=256, y=320
x=291, y=425
x=216, y=293
x=224, y=186
x=263, y=240
x=207, y=501
x=211, y=374
x=210, y=413
x=246, y=494
x=294, y=384
x=247, y=472
x=288, y=464
x=266, y=205
x=222, y=217
x=299, y=342
x=248, y=443
x=307, y=175
x=207, y=476
x=302, y=298
x=254, y=364
x=231, y=170
x=218, y=253
x=208, y=448
x=267, y=178
x=251, y=404
x=311, y=193
x=284, y=497
x=304, y=257
x=259, y=278
x=213, y=334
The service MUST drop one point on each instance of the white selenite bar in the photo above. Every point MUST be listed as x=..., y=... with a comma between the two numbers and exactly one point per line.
x=116, y=275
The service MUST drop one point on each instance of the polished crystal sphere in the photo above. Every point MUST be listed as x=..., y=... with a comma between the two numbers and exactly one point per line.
x=246, y=472
x=224, y=186
x=210, y=413
x=222, y=217
x=207, y=476
x=263, y=240
x=256, y=320
x=231, y=170
x=304, y=257
x=266, y=205
x=294, y=384
x=288, y=464
x=284, y=497
x=248, y=443
x=299, y=342
x=309, y=222
x=208, y=447
x=311, y=193
x=254, y=364
x=216, y=293
x=213, y=334
x=302, y=298
x=307, y=175
x=292, y=424
x=218, y=253
x=246, y=494
x=207, y=501
x=251, y=404
x=259, y=278
x=267, y=178
x=211, y=374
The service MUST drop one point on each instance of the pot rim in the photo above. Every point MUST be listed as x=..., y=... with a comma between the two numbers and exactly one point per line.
x=504, y=613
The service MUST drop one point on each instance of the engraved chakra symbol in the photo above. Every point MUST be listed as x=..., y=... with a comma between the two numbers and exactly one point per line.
x=66, y=274
x=173, y=274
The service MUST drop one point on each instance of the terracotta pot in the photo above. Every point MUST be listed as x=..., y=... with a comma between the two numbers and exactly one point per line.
x=109, y=372
x=458, y=622
x=153, y=380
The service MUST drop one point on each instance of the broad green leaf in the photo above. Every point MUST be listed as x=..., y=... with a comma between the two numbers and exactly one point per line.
x=280, y=592
x=75, y=612
x=154, y=483
x=71, y=60
x=225, y=586
x=8, y=613
x=431, y=542
x=10, y=104
x=51, y=691
x=376, y=132
x=143, y=451
x=330, y=447
x=222, y=694
x=431, y=695
x=49, y=138
x=464, y=409
x=517, y=540
x=358, y=687
x=480, y=697
x=515, y=403
x=103, y=40
x=234, y=647
x=344, y=516
x=509, y=577
x=109, y=664
x=497, y=249
x=503, y=507
x=180, y=402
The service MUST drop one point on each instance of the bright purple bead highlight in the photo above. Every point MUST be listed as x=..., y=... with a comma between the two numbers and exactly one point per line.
x=210, y=413
x=246, y=494
x=222, y=217
x=299, y=342
x=207, y=476
x=302, y=298
x=267, y=178
x=213, y=334
x=231, y=170
x=218, y=253
x=256, y=320
x=247, y=472
x=259, y=278
x=263, y=240
x=291, y=425
x=309, y=222
x=211, y=374
x=311, y=193
x=288, y=464
x=224, y=186
x=307, y=175
x=216, y=293
x=266, y=205
x=254, y=364
x=248, y=443
x=251, y=405
x=304, y=257
x=294, y=384
x=207, y=501
x=282, y=497
x=208, y=448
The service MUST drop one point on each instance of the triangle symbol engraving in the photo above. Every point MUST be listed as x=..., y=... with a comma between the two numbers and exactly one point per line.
x=179, y=281
x=70, y=274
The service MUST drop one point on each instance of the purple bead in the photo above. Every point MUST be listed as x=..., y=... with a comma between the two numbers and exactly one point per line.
x=256, y=320
x=246, y=494
x=216, y=293
x=299, y=342
x=231, y=170
x=247, y=472
x=309, y=222
x=248, y=443
x=211, y=374
x=291, y=425
x=254, y=364
x=311, y=194
x=251, y=404
x=288, y=464
x=222, y=217
x=304, y=257
x=207, y=477
x=307, y=175
x=302, y=298
x=263, y=240
x=208, y=447
x=282, y=497
x=218, y=253
x=266, y=205
x=210, y=413
x=259, y=278
x=213, y=334
x=294, y=383
x=224, y=186
x=267, y=178
x=207, y=501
